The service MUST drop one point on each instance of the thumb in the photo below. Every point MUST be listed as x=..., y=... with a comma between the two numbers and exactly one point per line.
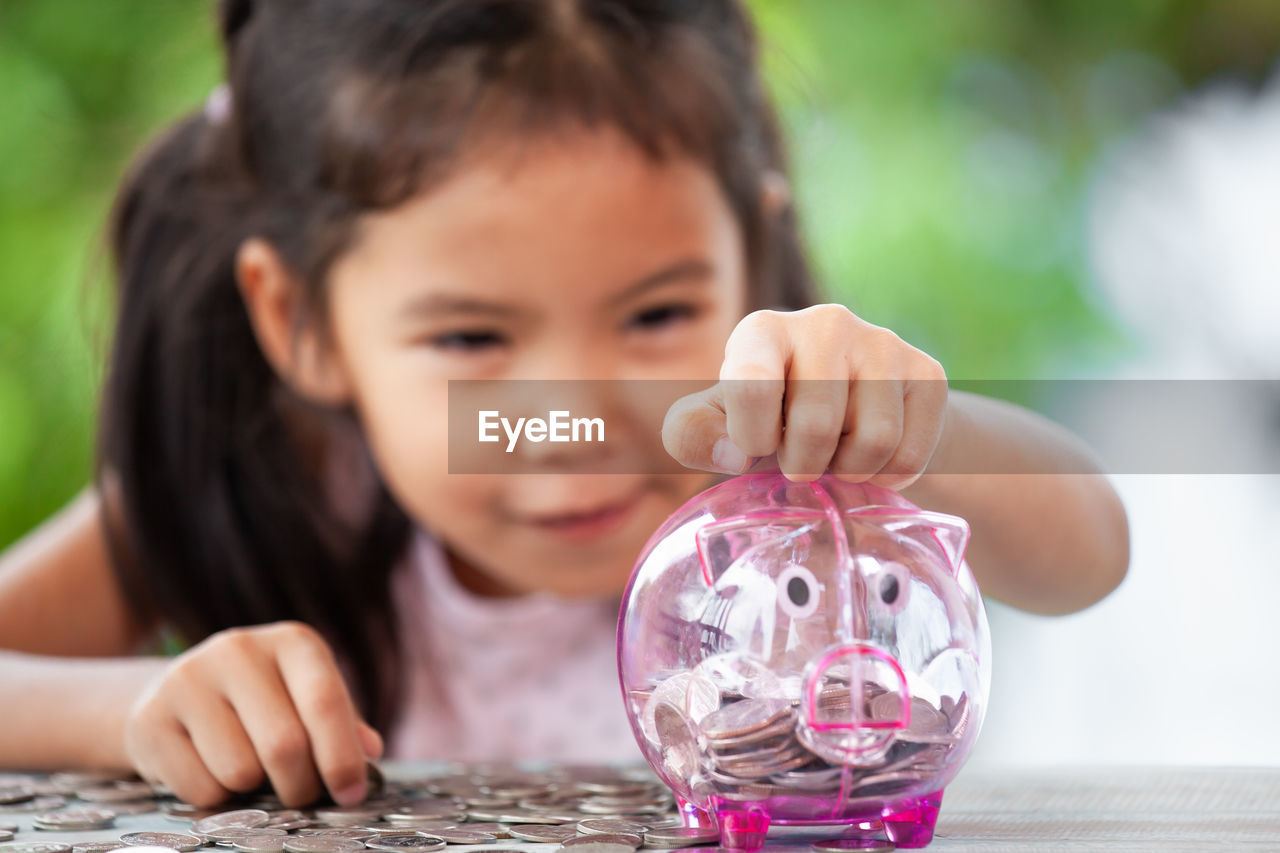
x=695, y=434
x=370, y=740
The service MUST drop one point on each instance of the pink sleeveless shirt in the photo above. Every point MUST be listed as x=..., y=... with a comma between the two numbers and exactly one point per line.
x=503, y=679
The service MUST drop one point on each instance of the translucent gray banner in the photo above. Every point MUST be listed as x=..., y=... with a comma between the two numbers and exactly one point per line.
x=1127, y=426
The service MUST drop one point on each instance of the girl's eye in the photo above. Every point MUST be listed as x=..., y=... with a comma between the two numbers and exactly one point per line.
x=468, y=341
x=798, y=592
x=661, y=315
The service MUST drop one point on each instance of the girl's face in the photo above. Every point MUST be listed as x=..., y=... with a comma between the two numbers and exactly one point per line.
x=574, y=258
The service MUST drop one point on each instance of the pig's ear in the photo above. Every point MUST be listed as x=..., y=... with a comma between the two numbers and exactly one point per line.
x=774, y=539
x=947, y=533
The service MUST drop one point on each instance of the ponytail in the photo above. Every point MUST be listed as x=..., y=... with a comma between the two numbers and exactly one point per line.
x=216, y=465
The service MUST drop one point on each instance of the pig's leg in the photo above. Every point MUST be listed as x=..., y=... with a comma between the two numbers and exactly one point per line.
x=912, y=826
x=742, y=826
x=692, y=816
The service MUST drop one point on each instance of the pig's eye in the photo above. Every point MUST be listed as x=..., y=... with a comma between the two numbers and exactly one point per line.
x=889, y=589
x=891, y=585
x=798, y=592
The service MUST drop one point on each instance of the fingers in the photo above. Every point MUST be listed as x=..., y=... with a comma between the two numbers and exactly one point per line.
x=817, y=401
x=220, y=740
x=248, y=703
x=874, y=429
x=694, y=433
x=370, y=740
x=753, y=378
x=172, y=758
x=254, y=687
x=820, y=389
x=319, y=693
x=924, y=414
x=729, y=426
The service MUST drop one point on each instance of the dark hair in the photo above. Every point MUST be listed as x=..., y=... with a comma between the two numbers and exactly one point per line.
x=337, y=108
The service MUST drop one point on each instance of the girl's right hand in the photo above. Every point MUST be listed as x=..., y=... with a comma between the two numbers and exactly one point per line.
x=248, y=705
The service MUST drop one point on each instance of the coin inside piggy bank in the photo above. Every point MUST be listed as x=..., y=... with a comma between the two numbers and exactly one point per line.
x=805, y=654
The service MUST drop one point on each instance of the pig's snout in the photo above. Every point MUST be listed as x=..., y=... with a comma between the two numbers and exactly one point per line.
x=855, y=699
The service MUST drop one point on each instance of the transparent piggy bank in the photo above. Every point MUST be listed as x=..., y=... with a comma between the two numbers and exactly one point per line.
x=805, y=654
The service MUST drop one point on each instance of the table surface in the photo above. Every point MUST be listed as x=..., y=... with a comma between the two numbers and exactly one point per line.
x=1138, y=809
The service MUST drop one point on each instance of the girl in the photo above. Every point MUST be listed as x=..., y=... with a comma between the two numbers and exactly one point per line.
x=390, y=194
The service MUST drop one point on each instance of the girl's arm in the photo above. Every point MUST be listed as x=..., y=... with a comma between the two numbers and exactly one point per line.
x=1049, y=534
x=246, y=705
x=1041, y=541
x=61, y=612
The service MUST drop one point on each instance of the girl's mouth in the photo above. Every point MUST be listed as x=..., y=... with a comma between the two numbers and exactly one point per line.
x=589, y=524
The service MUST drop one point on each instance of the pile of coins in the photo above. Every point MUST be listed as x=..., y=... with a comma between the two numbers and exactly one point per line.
x=749, y=748
x=590, y=809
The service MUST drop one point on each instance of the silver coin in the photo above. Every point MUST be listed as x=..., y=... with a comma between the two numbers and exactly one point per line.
x=16, y=794
x=35, y=847
x=117, y=792
x=742, y=718
x=279, y=816
x=627, y=839
x=671, y=691
x=6, y=835
x=494, y=828
x=593, y=808
x=679, y=741
x=96, y=846
x=927, y=720
x=428, y=826
x=150, y=848
x=316, y=844
x=181, y=843
x=406, y=842
x=348, y=832
x=541, y=833
x=464, y=836
x=526, y=816
x=72, y=779
x=8, y=826
x=260, y=843
x=241, y=818
x=39, y=804
x=339, y=816
x=233, y=834
x=75, y=819
x=425, y=810
x=593, y=846
x=680, y=836
x=376, y=829
x=784, y=727
x=604, y=826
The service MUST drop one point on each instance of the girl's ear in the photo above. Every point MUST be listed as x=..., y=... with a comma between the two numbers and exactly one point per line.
x=295, y=350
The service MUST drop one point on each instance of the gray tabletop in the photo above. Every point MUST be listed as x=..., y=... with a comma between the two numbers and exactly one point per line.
x=1138, y=809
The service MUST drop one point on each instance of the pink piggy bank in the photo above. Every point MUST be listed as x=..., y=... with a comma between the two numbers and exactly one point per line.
x=805, y=654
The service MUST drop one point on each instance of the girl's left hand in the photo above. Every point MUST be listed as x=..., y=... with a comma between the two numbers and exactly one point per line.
x=823, y=390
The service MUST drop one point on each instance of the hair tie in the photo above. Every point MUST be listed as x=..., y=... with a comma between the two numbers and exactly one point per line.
x=218, y=105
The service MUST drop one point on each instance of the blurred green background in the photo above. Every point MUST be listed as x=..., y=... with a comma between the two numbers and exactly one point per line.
x=942, y=151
